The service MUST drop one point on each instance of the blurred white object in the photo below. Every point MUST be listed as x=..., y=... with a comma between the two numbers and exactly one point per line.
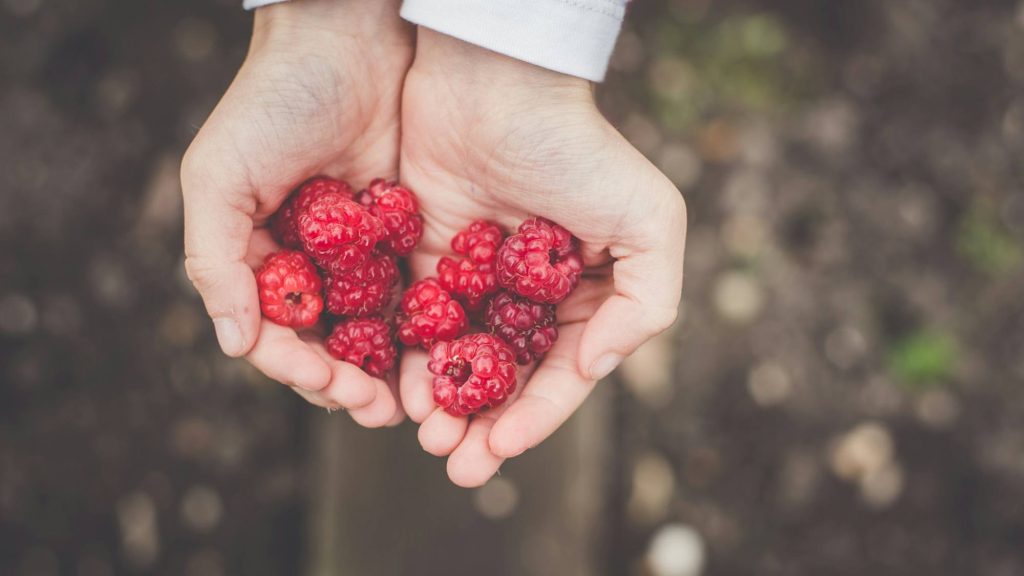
x=676, y=550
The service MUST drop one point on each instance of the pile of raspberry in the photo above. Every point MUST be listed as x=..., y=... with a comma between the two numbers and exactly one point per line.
x=490, y=307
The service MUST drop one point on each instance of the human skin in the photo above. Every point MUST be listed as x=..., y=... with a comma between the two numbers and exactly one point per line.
x=485, y=136
x=319, y=93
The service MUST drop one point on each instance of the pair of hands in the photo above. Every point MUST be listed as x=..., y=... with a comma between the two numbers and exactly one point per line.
x=344, y=88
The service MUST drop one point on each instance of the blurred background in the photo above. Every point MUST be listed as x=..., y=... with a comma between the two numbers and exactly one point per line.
x=843, y=395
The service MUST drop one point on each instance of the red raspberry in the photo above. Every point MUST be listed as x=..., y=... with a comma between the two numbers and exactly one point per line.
x=541, y=262
x=363, y=342
x=338, y=233
x=289, y=289
x=285, y=223
x=527, y=326
x=473, y=278
x=428, y=314
x=472, y=373
x=365, y=289
x=397, y=208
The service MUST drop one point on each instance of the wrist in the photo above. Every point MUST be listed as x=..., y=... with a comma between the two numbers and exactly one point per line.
x=330, y=22
x=471, y=70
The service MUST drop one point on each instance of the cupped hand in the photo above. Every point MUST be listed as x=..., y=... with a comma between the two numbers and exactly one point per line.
x=488, y=137
x=319, y=93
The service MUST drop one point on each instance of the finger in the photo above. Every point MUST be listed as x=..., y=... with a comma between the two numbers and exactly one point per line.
x=399, y=416
x=282, y=355
x=219, y=206
x=553, y=393
x=378, y=412
x=350, y=387
x=473, y=463
x=416, y=385
x=648, y=277
x=441, y=432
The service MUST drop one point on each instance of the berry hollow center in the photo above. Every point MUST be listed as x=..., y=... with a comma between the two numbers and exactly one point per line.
x=294, y=298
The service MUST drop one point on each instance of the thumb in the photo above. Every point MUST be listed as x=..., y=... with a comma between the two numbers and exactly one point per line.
x=647, y=276
x=219, y=207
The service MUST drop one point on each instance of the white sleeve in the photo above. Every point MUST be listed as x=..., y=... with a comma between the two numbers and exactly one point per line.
x=250, y=4
x=575, y=37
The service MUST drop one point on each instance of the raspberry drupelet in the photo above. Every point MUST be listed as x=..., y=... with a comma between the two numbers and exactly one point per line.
x=289, y=289
x=364, y=290
x=542, y=261
x=398, y=210
x=363, y=342
x=338, y=233
x=528, y=327
x=472, y=373
x=473, y=278
x=428, y=313
x=285, y=224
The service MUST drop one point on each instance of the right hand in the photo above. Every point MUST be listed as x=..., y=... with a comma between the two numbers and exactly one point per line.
x=319, y=93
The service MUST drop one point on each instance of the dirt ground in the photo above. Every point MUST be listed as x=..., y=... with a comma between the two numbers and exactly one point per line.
x=844, y=394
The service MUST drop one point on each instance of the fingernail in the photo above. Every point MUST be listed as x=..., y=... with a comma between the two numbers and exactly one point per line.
x=229, y=335
x=604, y=365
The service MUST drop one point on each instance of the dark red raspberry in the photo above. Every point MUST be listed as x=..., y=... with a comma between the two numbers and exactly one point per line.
x=289, y=289
x=527, y=326
x=363, y=342
x=365, y=289
x=541, y=262
x=285, y=222
x=472, y=373
x=338, y=233
x=473, y=278
x=397, y=208
x=428, y=314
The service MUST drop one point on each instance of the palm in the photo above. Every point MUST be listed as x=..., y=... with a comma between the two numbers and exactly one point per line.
x=289, y=115
x=504, y=164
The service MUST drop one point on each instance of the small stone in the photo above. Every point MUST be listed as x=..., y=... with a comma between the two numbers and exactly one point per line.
x=881, y=488
x=642, y=133
x=652, y=489
x=647, y=373
x=738, y=297
x=629, y=52
x=195, y=39
x=671, y=77
x=680, y=164
x=676, y=550
x=744, y=235
x=497, y=499
x=201, y=509
x=938, y=409
x=769, y=384
x=18, y=315
x=862, y=451
x=137, y=520
x=845, y=346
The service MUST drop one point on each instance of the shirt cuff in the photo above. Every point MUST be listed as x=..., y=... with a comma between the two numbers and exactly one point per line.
x=575, y=37
x=250, y=4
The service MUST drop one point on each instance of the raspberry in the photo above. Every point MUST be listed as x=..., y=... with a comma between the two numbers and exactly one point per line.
x=363, y=342
x=289, y=289
x=365, y=289
x=541, y=262
x=472, y=373
x=397, y=208
x=428, y=314
x=338, y=233
x=284, y=225
x=527, y=326
x=473, y=278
